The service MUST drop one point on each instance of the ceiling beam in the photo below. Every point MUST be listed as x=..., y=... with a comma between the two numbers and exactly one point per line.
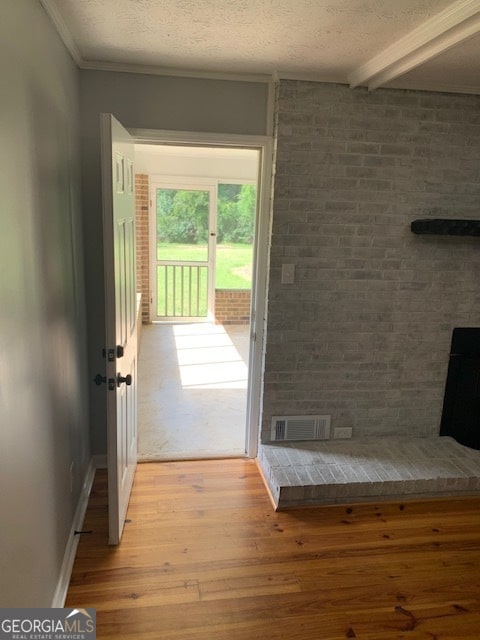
x=456, y=23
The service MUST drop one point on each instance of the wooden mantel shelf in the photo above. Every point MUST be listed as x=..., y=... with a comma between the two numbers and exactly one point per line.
x=445, y=227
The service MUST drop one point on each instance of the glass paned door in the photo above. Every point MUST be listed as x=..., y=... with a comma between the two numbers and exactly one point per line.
x=184, y=252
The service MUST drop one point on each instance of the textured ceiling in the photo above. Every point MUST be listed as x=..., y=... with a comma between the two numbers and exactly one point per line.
x=322, y=39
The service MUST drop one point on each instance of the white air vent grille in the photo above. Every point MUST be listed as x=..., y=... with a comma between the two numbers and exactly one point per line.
x=300, y=428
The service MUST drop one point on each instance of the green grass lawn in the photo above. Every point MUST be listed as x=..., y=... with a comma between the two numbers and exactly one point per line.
x=233, y=261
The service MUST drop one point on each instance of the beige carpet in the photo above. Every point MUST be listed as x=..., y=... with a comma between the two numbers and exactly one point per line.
x=192, y=391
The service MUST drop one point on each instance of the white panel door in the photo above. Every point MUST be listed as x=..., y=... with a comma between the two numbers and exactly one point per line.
x=121, y=330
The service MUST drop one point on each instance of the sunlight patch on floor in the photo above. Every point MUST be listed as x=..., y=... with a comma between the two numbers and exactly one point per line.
x=208, y=359
x=188, y=408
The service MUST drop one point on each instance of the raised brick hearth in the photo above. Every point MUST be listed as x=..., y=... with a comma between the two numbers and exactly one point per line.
x=366, y=469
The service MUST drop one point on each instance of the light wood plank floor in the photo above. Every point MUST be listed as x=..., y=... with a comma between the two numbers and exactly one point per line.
x=204, y=557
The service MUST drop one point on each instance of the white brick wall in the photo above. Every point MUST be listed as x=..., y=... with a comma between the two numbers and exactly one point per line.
x=364, y=333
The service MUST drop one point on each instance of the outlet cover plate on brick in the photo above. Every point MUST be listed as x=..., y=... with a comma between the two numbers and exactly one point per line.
x=341, y=433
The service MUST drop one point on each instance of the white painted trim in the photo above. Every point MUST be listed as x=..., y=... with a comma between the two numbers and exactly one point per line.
x=63, y=31
x=262, y=244
x=258, y=324
x=270, y=108
x=73, y=540
x=456, y=23
x=310, y=77
x=152, y=254
x=154, y=70
x=197, y=138
x=188, y=182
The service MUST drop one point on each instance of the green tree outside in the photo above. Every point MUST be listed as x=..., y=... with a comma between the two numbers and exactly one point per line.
x=182, y=214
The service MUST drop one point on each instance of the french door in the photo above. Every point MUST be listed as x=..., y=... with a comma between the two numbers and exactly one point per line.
x=182, y=251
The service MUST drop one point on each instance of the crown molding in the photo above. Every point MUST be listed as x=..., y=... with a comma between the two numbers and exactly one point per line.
x=53, y=13
x=309, y=77
x=453, y=25
x=58, y=22
x=449, y=27
x=168, y=71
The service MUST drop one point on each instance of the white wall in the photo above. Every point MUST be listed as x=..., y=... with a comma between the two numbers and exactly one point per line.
x=147, y=102
x=43, y=395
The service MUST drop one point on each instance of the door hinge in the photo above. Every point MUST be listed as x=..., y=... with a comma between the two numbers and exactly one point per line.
x=109, y=354
x=117, y=352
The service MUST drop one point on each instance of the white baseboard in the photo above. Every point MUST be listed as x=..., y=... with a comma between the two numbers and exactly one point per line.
x=73, y=540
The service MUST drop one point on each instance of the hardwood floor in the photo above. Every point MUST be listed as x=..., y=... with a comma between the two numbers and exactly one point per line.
x=204, y=557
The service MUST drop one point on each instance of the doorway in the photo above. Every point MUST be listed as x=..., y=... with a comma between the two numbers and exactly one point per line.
x=194, y=356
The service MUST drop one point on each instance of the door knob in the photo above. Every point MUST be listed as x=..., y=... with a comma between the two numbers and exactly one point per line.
x=127, y=379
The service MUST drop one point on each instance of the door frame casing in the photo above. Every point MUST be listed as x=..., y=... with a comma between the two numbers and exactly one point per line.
x=263, y=220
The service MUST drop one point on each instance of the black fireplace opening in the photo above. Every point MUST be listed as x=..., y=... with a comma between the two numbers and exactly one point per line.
x=461, y=404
